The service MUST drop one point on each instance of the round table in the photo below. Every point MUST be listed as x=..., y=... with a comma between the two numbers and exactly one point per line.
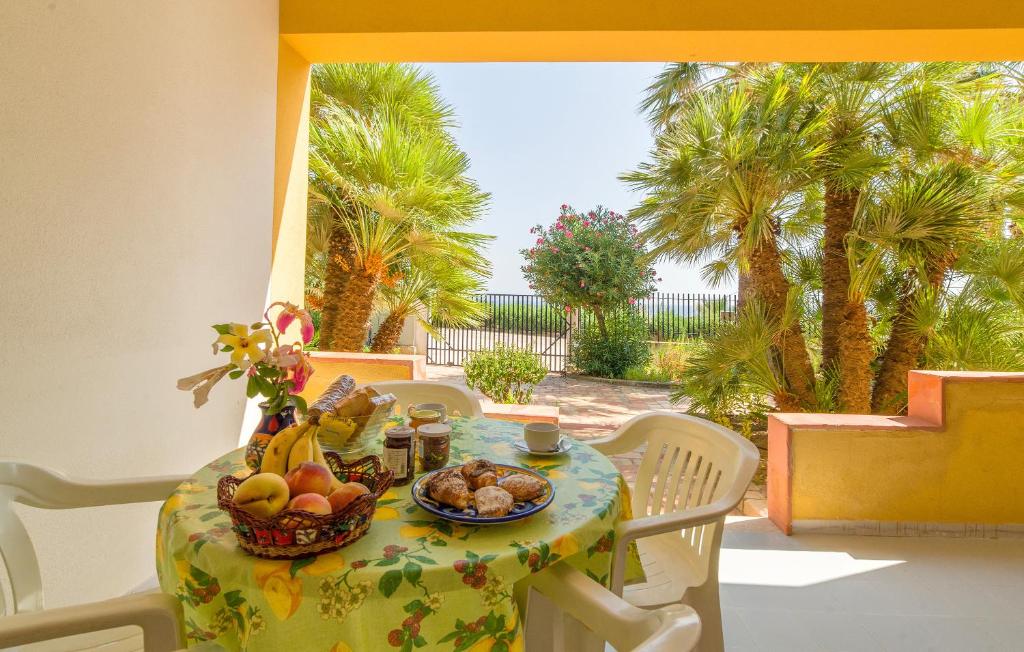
x=412, y=582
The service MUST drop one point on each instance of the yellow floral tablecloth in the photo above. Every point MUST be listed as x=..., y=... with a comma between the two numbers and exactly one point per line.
x=413, y=582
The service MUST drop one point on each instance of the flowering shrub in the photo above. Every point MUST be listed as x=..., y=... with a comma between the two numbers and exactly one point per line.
x=276, y=370
x=622, y=346
x=594, y=261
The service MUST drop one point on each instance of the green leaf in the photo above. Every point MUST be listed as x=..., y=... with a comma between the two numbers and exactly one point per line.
x=234, y=598
x=227, y=348
x=209, y=516
x=492, y=623
x=499, y=646
x=300, y=404
x=412, y=572
x=449, y=637
x=488, y=558
x=298, y=564
x=440, y=543
x=236, y=374
x=424, y=560
x=407, y=645
x=388, y=562
x=389, y=582
x=412, y=606
x=523, y=555
x=472, y=556
x=256, y=325
x=545, y=550
x=419, y=641
x=222, y=329
x=251, y=389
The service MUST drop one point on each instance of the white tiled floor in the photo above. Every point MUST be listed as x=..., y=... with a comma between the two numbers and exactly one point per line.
x=824, y=592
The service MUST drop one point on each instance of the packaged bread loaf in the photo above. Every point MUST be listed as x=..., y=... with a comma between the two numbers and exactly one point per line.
x=334, y=394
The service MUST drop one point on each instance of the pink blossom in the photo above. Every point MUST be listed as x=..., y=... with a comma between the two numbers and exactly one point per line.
x=583, y=284
x=568, y=233
x=568, y=308
x=632, y=301
x=289, y=313
x=586, y=248
x=565, y=207
x=554, y=250
x=586, y=223
x=540, y=240
x=300, y=374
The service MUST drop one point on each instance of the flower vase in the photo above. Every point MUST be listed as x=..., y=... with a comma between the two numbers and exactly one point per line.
x=269, y=425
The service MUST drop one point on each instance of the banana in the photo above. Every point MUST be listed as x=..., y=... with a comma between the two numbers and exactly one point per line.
x=318, y=457
x=275, y=459
x=302, y=450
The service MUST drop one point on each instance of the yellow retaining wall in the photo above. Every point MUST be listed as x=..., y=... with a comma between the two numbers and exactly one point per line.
x=364, y=367
x=955, y=458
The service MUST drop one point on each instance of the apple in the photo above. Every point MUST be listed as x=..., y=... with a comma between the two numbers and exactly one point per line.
x=341, y=497
x=309, y=478
x=262, y=494
x=314, y=503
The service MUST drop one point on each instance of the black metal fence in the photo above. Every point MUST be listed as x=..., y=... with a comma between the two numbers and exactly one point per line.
x=527, y=321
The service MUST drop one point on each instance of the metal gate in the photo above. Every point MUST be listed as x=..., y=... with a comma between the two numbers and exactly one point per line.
x=526, y=321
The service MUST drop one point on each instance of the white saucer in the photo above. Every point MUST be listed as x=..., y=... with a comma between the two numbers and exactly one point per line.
x=564, y=444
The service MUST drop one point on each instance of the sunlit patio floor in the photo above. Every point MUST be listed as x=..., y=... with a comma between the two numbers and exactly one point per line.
x=842, y=593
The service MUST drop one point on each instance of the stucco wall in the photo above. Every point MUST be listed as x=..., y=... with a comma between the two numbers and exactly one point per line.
x=137, y=157
x=953, y=459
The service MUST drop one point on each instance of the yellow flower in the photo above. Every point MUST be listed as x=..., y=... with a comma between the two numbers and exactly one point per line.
x=341, y=646
x=385, y=513
x=245, y=346
x=282, y=591
x=326, y=563
x=565, y=545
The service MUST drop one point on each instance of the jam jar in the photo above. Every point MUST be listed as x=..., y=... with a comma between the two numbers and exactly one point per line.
x=419, y=417
x=399, y=453
x=435, y=445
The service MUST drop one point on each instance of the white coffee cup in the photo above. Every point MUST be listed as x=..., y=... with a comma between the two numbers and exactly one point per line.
x=542, y=437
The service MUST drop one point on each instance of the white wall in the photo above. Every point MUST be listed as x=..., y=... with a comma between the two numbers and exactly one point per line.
x=136, y=193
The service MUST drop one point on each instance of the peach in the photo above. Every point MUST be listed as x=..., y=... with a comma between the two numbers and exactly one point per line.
x=314, y=503
x=262, y=494
x=309, y=478
x=341, y=497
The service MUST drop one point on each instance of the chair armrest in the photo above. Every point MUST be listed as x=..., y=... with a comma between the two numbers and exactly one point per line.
x=675, y=628
x=626, y=532
x=158, y=615
x=36, y=486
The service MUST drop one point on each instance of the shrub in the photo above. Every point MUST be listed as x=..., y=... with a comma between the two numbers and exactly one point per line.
x=610, y=355
x=504, y=374
x=594, y=261
x=667, y=364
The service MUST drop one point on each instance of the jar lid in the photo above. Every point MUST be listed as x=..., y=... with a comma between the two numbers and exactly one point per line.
x=399, y=432
x=425, y=414
x=434, y=430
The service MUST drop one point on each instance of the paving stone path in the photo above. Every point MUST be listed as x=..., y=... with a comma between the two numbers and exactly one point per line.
x=588, y=408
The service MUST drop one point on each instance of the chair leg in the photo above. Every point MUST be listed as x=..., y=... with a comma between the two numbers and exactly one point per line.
x=705, y=601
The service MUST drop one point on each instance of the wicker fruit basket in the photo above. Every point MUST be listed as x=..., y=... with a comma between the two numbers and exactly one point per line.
x=294, y=534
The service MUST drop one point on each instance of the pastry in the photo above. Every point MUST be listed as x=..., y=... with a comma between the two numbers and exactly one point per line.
x=493, y=501
x=480, y=473
x=522, y=487
x=450, y=488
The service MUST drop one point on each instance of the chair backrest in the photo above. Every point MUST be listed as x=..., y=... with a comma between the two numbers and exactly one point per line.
x=690, y=462
x=408, y=392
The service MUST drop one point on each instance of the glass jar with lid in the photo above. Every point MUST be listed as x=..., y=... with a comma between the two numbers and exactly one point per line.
x=399, y=453
x=435, y=445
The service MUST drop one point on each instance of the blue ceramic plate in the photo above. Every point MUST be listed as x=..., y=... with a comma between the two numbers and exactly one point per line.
x=519, y=510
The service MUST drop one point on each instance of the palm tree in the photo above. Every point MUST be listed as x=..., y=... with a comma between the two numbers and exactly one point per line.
x=381, y=158
x=440, y=291
x=954, y=135
x=724, y=177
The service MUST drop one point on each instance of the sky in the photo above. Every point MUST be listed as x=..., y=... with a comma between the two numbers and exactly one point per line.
x=540, y=135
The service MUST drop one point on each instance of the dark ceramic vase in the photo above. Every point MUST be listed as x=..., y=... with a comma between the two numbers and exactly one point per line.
x=270, y=425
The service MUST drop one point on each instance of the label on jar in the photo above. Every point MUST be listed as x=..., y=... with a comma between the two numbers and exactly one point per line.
x=397, y=460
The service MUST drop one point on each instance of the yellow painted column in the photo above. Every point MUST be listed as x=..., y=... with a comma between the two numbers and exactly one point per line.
x=290, y=176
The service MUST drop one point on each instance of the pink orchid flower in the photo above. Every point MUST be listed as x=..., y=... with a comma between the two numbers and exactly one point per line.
x=289, y=313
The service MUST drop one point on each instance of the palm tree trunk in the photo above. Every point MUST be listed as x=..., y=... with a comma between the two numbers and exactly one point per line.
x=903, y=350
x=771, y=287
x=340, y=256
x=845, y=341
x=389, y=333
x=743, y=289
x=354, y=313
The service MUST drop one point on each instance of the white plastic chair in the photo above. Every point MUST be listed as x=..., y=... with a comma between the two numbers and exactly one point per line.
x=98, y=624
x=692, y=474
x=408, y=392
x=674, y=628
